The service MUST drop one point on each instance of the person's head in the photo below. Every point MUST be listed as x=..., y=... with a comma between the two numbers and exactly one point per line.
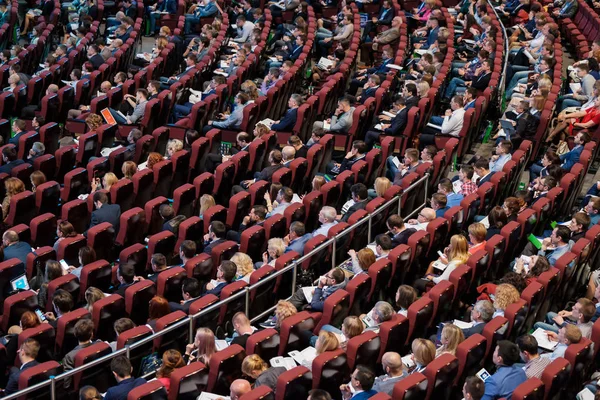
x=383, y=245
x=28, y=351
x=466, y=173
x=438, y=201
x=569, y=334
x=365, y=258
x=382, y=312
x=89, y=393
x=506, y=295
x=335, y=276
x=19, y=125
x=423, y=351
x=528, y=347
x=352, y=326
x=84, y=330
x=158, y=262
x=121, y=368
x=171, y=360
x=244, y=264
x=327, y=341
x=62, y=301
x=9, y=237
x=593, y=207
x=459, y=248
x=482, y=166
x=426, y=215
x=506, y=353
x=129, y=169
x=100, y=198
x=187, y=250
x=288, y=153
x=405, y=296
x=53, y=270
x=86, y=255
x=580, y=222
x=283, y=309
x=174, y=146
x=382, y=184
x=275, y=248
x=126, y=273
x=238, y=388
x=504, y=147
x=190, y=289
x=226, y=271
x=395, y=223
x=275, y=157
x=473, y=389
x=297, y=230
x=512, y=206
x=327, y=215
x=411, y=156
x=483, y=311
x=205, y=344
x=108, y=180
x=92, y=295
x=65, y=229
x=14, y=186
x=451, y=337
x=29, y=320
x=359, y=192
x=217, y=230
x=206, y=202
x=243, y=139
x=456, y=102
x=253, y=366
x=583, y=310
x=362, y=378
x=122, y=325
x=318, y=394
x=560, y=235
x=158, y=307
x=582, y=137
x=344, y=104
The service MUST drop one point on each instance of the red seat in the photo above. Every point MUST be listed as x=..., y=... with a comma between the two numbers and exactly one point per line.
x=556, y=377
x=22, y=209
x=132, y=227
x=413, y=386
x=104, y=314
x=223, y=251
x=265, y=343
x=37, y=374
x=364, y=349
x=65, y=327
x=122, y=193
x=252, y=242
x=131, y=336
x=153, y=390
x=76, y=183
x=100, y=376
x=294, y=383
x=97, y=274
x=43, y=230
x=136, y=254
x=183, y=200
x=225, y=367
x=137, y=297
x=153, y=218
x=335, y=309
x=228, y=309
x=419, y=315
x=176, y=339
x=440, y=374
x=330, y=370
x=101, y=238
x=239, y=207
x=290, y=327
x=68, y=282
x=76, y=212
x=168, y=284
x=470, y=355
x=532, y=388
x=47, y=197
x=143, y=187
x=188, y=381
x=258, y=393
x=492, y=334
x=163, y=243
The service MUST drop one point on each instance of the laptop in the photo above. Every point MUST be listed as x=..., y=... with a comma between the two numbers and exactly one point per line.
x=20, y=283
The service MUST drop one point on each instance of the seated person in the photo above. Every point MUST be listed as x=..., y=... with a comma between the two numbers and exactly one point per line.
x=423, y=219
x=62, y=303
x=439, y=204
x=457, y=253
x=342, y=119
x=256, y=368
x=84, y=333
x=358, y=152
x=534, y=364
x=552, y=247
x=242, y=329
x=225, y=275
x=233, y=120
x=361, y=383
x=158, y=263
x=215, y=236
x=9, y=159
x=394, y=372
x=138, y=103
x=508, y=375
x=122, y=370
x=481, y=314
x=327, y=219
x=27, y=354
x=190, y=291
x=390, y=126
x=360, y=198
x=451, y=124
x=409, y=164
x=567, y=335
x=452, y=199
x=289, y=118
x=398, y=231
x=580, y=315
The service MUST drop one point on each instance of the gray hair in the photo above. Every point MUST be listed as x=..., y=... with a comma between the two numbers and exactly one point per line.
x=329, y=213
x=383, y=310
x=38, y=148
x=486, y=309
x=297, y=98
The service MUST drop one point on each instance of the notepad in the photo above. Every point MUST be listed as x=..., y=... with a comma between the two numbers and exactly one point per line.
x=285, y=362
x=389, y=114
x=575, y=87
x=394, y=66
x=462, y=324
x=324, y=63
x=408, y=361
x=542, y=338
x=221, y=344
x=267, y=121
x=368, y=319
x=212, y=396
x=308, y=293
x=305, y=356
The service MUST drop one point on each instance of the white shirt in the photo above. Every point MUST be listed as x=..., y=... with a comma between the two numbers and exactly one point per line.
x=454, y=123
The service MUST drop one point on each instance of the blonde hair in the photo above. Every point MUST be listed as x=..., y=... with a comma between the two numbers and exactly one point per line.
x=254, y=363
x=174, y=146
x=14, y=186
x=423, y=351
x=506, y=294
x=278, y=245
x=110, y=179
x=161, y=42
x=244, y=264
x=94, y=121
x=352, y=326
x=284, y=309
x=129, y=169
x=92, y=295
x=382, y=185
x=206, y=345
x=260, y=130
x=327, y=341
x=250, y=89
x=318, y=182
x=478, y=231
x=459, y=249
x=206, y=202
x=454, y=335
x=422, y=89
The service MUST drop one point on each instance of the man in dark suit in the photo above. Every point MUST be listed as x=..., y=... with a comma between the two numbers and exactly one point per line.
x=399, y=232
x=568, y=159
x=482, y=80
x=360, y=196
x=94, y=56
x=9, y=156
x=381, y=70
x=62, y=303
x=37, y=150
x=158, y=263
x=266, y=174
x=361, y=380
x=297, y=238
x=411, y=95
x=121, y=369
x=190, y=62
x=256, y=217
x=190, y=291
x=482, y=168
x=13, y=248
x=394, y=128
x=225, y=275
x=369, y=88
x=125, y=276
x=19, y=127
x=105, y=212
x=481, y=314
x=27, y=355
x=357, y=152
x=386, y=14
x=289, y=119
x=527, y=125
x=215, y=236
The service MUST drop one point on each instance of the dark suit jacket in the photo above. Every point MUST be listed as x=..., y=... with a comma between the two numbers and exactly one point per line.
x=15, y=140
x=527, y=125
x=97, y=61
x=473, y=330
x=387, y=18
x=122, y=288
x=412, y=101
x=358, y=206
x=398, y=123
x=216, y=291
x=402, y=237
x=364, y=395
x=370, y=92
x=568, y=159
x=485, y=179
x=185, y=307
x=241, y=340
x=18, y=250
x=208, y=248
x=123, y=388
x=287, y=122
x=481, y=82
x=6, y=168
x=267, y=173
x=110, y=213
x=12, y=386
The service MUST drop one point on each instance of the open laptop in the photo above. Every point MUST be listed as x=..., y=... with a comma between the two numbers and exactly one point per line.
x=20, y=283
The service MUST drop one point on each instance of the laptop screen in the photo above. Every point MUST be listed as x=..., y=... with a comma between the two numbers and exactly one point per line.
x=20, y=283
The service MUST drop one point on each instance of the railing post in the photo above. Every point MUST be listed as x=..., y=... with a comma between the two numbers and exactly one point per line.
x=52, y=388
x=247, y=301
x=369, y=230
x=333, y=254
x=294, y=277
x=128, y=351
x=191, y=330
x=400, y=204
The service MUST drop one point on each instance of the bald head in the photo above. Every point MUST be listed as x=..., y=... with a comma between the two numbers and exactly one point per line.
x=392, y=363
x=105, y=86
x=10, y=237
x=428, y=214
x=288, y=153
x=238, y=388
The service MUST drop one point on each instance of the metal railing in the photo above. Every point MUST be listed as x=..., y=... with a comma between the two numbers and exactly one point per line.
x=501, y=84
x=190, y=321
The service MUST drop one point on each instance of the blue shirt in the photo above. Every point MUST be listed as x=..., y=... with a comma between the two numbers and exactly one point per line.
x=454, y=199
x=503, y=383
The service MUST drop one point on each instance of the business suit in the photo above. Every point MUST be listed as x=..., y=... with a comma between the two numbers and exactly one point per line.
x=287, y=122
x=18, y=250
x=568, y=159
x=185, y=307
x=364, y=395
x=297, y=244
x=12, y=386
x=267, y=173
x=482, y=81
x=208, y=248
x=396, y=128
x=385, y=17
x=477, y=328
x=69, y=361
x=216, y=291
x=110, y=213
x=123, y=388
x=15, y=139
x=361, y=205
x=484, y=179
x=381, y=69
x=97, y=61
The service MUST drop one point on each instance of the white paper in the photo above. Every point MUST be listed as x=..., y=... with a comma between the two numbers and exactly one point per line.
x=438, y=127
x=408, y=361
x=285, y=362
x=420, y=51
x=394, y=66
x=212, y=396
x=462, y=324
x=308, y=293
x=220, y=73
x=389, y=114
x=575, y=87
x=107, y=150
x=469, y=41
x=542, y=338
x=70, y=83
x=305, y=356
x=379, y=127
x=585, y=394
x=224, y=64
x=396, y=162
x=326, y=125
x=440, y=265
x=486, y=222
x=324, y=63
x=221, y=344
x=267, y=121
x=528, y=55
x=214, y=283
x=457, y=186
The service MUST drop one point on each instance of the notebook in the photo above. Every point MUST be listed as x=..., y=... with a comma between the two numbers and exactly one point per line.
x=108, y=117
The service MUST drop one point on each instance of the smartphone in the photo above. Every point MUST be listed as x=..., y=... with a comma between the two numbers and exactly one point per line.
x=40, y=315
x=64, y=265
x=483, y=374
x=441, y=254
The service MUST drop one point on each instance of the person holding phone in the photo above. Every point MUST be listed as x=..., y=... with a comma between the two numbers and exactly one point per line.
x=455, y=254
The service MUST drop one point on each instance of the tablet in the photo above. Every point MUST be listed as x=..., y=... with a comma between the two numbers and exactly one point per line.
x=20, y=283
